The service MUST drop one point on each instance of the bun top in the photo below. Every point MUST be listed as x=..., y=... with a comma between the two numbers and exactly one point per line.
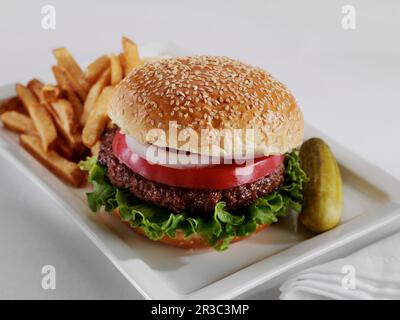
x=207, y=96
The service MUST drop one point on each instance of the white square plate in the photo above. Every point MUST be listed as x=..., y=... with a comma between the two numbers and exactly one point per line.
x=371, y=201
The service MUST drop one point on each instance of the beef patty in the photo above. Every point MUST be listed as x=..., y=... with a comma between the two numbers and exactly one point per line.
x=182, y=199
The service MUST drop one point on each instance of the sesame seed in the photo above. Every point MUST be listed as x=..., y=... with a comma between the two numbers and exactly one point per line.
x=207, y=87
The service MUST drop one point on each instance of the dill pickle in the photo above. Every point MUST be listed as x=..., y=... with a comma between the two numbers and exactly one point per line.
x=323, y=199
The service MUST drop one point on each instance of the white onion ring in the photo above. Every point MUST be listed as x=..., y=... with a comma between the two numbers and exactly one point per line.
x=182, y=159
x=139, y=148
x=192, y=160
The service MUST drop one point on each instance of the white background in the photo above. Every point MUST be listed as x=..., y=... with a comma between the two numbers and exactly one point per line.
x=347, y=83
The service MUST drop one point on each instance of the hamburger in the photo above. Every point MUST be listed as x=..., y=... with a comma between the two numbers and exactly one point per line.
x=202, y=152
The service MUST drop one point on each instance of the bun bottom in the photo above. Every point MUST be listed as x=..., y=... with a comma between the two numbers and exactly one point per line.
x=194, y=241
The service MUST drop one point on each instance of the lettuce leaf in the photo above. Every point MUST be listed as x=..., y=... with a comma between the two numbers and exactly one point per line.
x=218, y=229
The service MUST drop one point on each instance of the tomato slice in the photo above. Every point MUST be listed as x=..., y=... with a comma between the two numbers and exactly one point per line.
x=221, y=176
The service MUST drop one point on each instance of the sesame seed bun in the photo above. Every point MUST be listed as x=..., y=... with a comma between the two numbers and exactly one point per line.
x=210, y=94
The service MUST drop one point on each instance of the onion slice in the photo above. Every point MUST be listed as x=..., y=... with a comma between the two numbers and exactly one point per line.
x=172, y=158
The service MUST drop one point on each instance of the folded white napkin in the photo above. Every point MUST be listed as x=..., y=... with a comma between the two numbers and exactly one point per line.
x=371, y=273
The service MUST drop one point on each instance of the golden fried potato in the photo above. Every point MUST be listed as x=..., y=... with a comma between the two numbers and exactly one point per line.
x=93, y=95
x=98, y=118
x=40, y=117
x=131, y=54
x=65, y=169
x=18, y=122
x=96, y=68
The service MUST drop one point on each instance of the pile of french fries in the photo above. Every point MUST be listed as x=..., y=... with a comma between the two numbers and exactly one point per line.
x=62, y=123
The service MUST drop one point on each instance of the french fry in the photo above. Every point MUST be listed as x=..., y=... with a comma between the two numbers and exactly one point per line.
x=63, y=115
x=39, y=115
x=75, y=143
x=36, y=86
x=93, y=95
x=61, y=78
x=96, y=68
x=65, y=169
x=73, y=71
x=75, y=85
x=62, y=81
x=131, y=54
x=97, y=119
x=123, y=63
x=50, y=93
x=95, y=149
x=63, y=148
x=116, y=70
x=62, y=112
x=18, y=122
x=12, y=104
x=61, y=123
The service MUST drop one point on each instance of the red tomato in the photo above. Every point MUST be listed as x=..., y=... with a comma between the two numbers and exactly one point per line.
x=221, y=176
